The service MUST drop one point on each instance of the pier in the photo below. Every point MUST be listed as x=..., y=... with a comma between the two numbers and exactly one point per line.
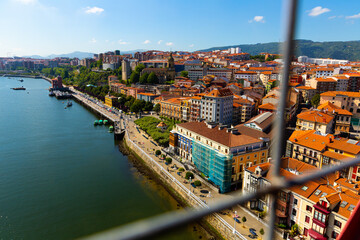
x=100, y=108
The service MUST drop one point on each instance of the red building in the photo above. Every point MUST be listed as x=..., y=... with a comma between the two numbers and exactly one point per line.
x=56, y=83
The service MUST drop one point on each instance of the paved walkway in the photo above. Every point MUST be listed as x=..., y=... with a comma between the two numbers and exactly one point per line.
x=147, y=144
x=227, y=215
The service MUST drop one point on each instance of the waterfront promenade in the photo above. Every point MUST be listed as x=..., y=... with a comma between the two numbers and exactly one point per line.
x=145, y=147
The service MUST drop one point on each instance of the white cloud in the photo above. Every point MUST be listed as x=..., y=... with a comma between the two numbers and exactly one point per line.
x=159, y=42
x=122, y=42
x=257, y=19
x=316, y=11
x=169, y=44
x=92, y=10
x=191, y=45
x=353, y=16
x=26, y=1
x=332, y=17
x=93, y=40
x=146, y=42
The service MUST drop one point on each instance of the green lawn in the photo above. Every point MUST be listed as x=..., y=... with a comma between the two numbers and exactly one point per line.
x=148, y=124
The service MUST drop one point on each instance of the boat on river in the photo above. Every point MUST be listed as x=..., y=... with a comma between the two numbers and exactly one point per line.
x=96, y=122
x=111, y=129
x=18, y=88
x=69, y=104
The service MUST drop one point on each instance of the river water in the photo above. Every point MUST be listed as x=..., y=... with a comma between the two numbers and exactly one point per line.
x=63, y=178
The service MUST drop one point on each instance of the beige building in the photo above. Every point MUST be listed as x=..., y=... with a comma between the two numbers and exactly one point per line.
x=315, y=120
x=349, y=101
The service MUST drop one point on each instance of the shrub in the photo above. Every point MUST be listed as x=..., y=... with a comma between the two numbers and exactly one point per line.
x=181, y=169
x=157, y=152
x=281, y=225
x=168, y=160
x=197, y=183
x=262, y=214
x=189, y=175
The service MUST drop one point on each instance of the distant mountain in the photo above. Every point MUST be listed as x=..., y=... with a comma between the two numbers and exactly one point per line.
x=79, y=55
x=349, y=50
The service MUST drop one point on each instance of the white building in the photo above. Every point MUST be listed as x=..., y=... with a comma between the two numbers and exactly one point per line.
x=319, y=61
x=217, y=106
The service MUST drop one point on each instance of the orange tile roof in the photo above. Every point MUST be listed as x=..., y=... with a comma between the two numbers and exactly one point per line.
x=305, y=88
x=219, y=93
x=334, y=155
x=325, y=80
x=310, y=139
x=335, y=93
x=315, y=116
x=345, y=146
x=268, y=106
x=221, y=136
x=331, y=107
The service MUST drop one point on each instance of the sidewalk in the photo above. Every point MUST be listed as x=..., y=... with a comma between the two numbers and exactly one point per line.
x=208, y=198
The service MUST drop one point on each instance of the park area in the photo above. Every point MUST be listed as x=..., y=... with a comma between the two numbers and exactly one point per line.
x=160, y=135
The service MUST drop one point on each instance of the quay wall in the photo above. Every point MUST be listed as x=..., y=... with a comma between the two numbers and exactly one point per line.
x=215, y=220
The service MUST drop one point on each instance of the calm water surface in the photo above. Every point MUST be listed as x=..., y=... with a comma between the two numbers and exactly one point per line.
x=61, y=177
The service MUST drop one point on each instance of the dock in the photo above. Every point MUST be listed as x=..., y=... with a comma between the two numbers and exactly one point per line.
x=119, y=129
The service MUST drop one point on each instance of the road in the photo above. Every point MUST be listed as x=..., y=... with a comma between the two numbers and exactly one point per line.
x=144, y=141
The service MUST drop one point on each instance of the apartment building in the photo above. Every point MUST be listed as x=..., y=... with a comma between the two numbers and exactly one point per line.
x=315, y=120
x=320, y=207
x=250, y=76
x=217, y=106
x=321, y=150
x=322, y=84
x=176, y=108
x=349, y=101
x=342, y=117
x=220, y=153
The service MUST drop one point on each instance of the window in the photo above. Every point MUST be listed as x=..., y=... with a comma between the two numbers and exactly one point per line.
x=307, y=219
x=306, y=231
x=320, y=216
x=294, y=212
x=308, y=208
x=334, y=234
x=295, y=201
x=337, y=223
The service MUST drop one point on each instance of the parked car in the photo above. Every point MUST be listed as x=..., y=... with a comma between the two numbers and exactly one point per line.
x=236, y=220
x=253, y=232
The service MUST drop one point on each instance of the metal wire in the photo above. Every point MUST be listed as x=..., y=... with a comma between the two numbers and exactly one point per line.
x=280, y=124
x=152, y=226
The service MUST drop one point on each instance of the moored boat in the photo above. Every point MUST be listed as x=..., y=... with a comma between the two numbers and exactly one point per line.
x=106, y=122
x=96, y=122
x=111, y=128
x=101, y=122
x=69, y=104
x=18, y=88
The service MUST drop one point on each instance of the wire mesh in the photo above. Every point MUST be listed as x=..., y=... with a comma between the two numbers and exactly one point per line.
x=152, y=226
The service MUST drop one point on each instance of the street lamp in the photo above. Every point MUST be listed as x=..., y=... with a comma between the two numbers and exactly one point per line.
x=234, y=223
x=190, y=184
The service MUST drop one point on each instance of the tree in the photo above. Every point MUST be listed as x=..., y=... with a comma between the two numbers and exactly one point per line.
x=168, y=160
x=295, y=230
x=148, y=106
x=157, y=152
x=244, y=220
x=152, y=78
x=136, y=106
x=143, y=79
x=184, y=74
x=189, y=175
x=134, y=77
x=315, y=100
x=157, y=108
x=197, y=183
x=262, y=232
x=139, y=68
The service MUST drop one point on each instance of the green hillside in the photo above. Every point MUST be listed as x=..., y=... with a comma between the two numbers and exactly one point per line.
x=349, y=50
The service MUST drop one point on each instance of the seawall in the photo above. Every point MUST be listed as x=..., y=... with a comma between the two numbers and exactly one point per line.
x=214, y=220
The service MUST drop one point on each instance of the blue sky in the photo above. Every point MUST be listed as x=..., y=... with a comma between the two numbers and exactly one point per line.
x=61, y=26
